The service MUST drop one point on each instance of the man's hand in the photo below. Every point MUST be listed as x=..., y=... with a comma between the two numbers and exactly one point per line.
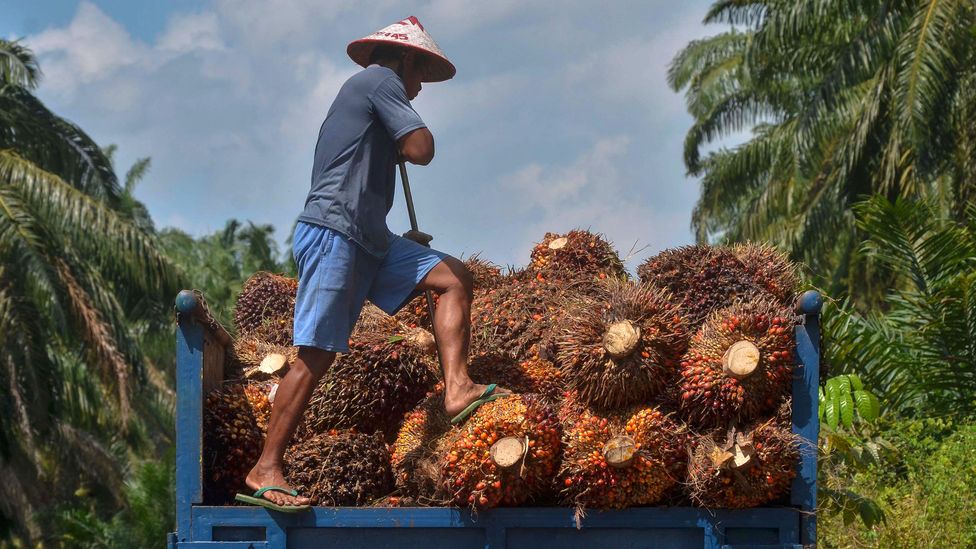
x=419, y=237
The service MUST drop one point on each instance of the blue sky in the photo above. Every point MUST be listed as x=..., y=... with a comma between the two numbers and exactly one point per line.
x=559, y=116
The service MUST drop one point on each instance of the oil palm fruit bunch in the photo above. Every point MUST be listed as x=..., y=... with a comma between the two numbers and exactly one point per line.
x=519, y=317
x=739, y=364
x=485, y=273
x=372, y=319
x=577, y=254
x=703, y=278
x=619, y=459
x=505, y=454
x=371, y=387
x=266, y=307
x=771, y=269
x=535, y=375
x=622, y=347
x=235, y=420
x=743, y=468
x=414, y=454
x=340, y=468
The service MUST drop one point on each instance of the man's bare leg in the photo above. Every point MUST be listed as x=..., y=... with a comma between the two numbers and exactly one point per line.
x=294, y=391
x=452, y=328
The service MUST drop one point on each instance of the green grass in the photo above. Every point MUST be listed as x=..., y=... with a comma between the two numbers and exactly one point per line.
x=928, y=493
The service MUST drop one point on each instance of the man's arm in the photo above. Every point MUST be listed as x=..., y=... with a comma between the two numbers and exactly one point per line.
x=417, y=147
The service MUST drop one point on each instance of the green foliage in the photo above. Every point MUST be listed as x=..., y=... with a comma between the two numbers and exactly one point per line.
x=844, y=100
x=846, y=448
x=149, y=516
x=925, y=490
x=80, y=283
x=219, y=263
x=920, y=353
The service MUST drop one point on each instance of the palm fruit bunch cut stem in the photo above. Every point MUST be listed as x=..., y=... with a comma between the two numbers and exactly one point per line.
x=743, y=468
x=260, y=360
x=519, y=317
x=340, y=468
x=739, y=364
x=535, y=375
x=577, y=254
x=623, y=347
x=234, y=423
x=505, y=454
x=619, y=459
x=414, y=454
x=771, y=269
x=704, y=278
x=266, y=308
x=372, y=387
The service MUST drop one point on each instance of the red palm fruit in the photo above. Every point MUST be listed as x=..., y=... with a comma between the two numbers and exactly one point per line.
x=619, y=459
x=340, y=469
x=235, y=420
x=739, y=365
x=704, y=278
x=266, y=308
x=622, y=347
x=374, y=320
x=506, y=453
x=414, y=455
x=528, y=376
x=485, y=273
x=518, y=318
x=771, y=269
x=576, y=255
x=743, y=468
x=371, y=387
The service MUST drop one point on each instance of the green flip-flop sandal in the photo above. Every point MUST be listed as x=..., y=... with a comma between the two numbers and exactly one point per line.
x=256, y=499
x=486, y=396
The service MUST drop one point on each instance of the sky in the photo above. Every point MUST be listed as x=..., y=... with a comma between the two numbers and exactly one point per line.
x=560, y=116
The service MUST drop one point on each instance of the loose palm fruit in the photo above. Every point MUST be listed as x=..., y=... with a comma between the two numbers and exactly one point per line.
x=739, y=365
x=506, y=453
x=619, y=459
x=622, y=347
x=747, y=468
x=576, y=255
x=371, y=388
x=340, y=469
x=266, y=308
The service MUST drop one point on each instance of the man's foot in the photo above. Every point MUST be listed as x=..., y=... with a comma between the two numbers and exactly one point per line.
x=259, y=477
x=460, y=397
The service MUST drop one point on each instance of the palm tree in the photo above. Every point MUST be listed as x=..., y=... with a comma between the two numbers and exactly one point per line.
x=921, y=353
x=843, y=100
x=73, y=268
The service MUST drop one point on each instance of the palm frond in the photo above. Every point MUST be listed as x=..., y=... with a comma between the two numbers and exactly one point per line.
x=18, y=66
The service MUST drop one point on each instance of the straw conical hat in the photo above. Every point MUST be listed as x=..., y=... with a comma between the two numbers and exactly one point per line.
x=408, y=33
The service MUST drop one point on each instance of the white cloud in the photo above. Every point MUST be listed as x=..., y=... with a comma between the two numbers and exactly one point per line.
x=192, y=32
x=90, y=48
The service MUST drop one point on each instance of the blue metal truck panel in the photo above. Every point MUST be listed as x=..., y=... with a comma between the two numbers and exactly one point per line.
x=200, y=347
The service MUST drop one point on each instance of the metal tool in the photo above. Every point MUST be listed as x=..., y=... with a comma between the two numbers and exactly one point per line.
x=413, y=226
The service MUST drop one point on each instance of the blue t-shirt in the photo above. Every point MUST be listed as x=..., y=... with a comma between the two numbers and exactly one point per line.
x=354, y=173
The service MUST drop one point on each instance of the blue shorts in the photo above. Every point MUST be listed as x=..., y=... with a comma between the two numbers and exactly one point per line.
x=335, y=277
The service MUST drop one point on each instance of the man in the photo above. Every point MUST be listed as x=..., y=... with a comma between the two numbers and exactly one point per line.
x=346, y=254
